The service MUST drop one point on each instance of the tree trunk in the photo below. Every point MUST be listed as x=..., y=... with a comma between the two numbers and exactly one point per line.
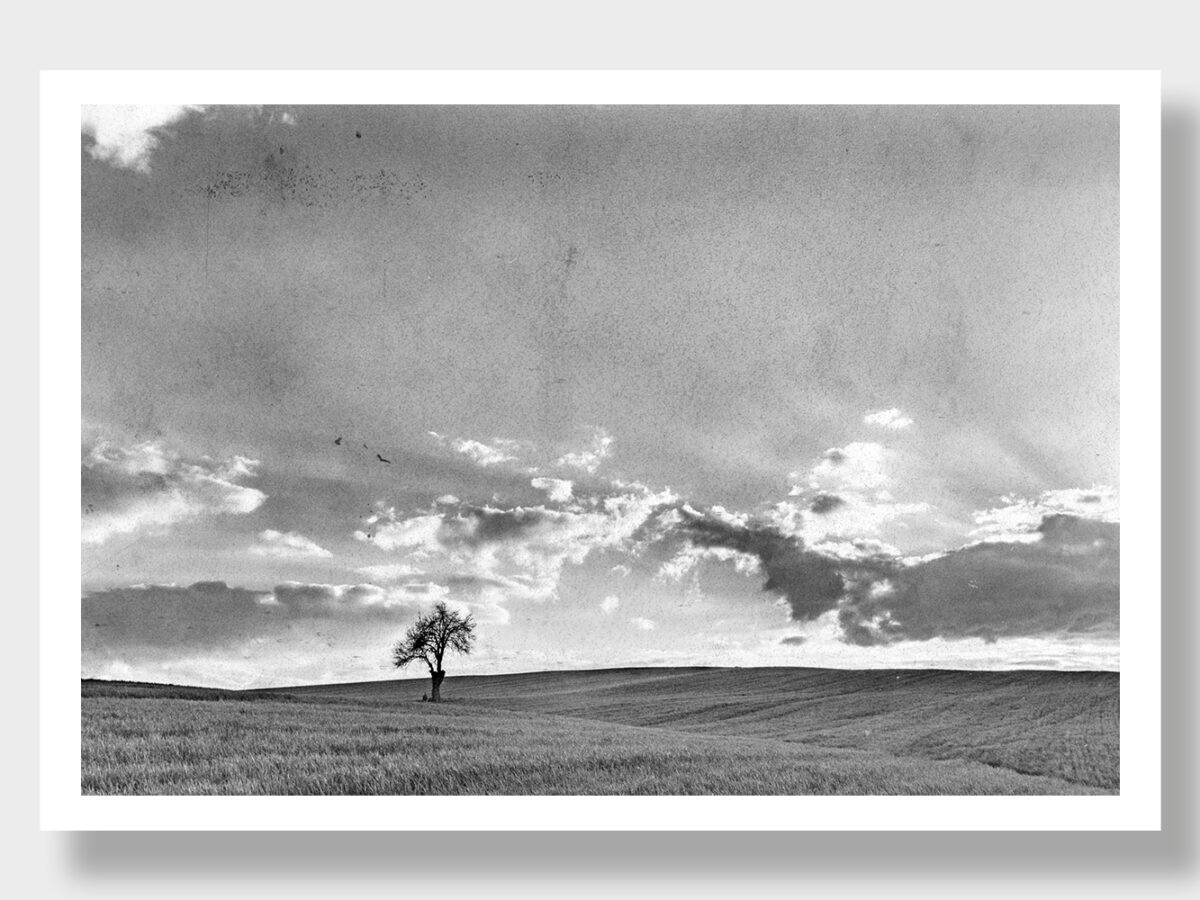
x=437, y=685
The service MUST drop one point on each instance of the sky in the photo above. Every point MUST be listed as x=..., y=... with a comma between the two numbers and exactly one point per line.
x=762, y=385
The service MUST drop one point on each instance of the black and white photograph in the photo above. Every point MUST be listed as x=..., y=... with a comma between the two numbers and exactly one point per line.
x=601, y=449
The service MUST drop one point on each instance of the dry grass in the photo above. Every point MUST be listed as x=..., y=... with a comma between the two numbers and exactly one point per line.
x=664, y=731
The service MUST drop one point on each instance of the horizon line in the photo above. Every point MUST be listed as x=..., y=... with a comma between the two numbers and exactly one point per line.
x=329, y=684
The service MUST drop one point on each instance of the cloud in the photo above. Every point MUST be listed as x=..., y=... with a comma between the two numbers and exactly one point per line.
x=589, y=460
x=811, y=583
x=1065, y=580
x=843, y=498
x=388, y=531
x=125, y=135
x=823, y=503
x=642, y=624
x=389, y=571
x=679, y=565
x=500, y=451
x=689, y=556
x=891, y=419
x=609, y=604
x=1061, y=578
x=213, y=614
x=481, y=453
x=213, y=633
x=1019, y=519
x=558, y=490
x=318, y=600
x=518, y=552
x=148, y=486
x=858, y=466
x=853, y=518
x=288, y=545
x=532, y=544
x=479, y=526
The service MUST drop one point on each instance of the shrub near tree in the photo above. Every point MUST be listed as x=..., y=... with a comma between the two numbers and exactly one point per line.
x=428, y=640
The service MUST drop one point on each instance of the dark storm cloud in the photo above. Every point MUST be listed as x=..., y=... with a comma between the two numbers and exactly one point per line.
x=328, y=600
x=204, y=615
x=490, y=525
x=211, y=614
x=823, y=503
x=1066, y=581
x=811, y=583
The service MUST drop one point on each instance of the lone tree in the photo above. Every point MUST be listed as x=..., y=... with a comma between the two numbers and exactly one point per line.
x=430, y=637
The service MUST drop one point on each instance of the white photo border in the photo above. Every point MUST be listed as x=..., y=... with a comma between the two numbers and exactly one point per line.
x=1136, y=808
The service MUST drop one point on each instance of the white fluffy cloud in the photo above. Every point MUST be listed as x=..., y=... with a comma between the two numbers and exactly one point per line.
x=498, y=452
x=523, y=455
x=557, y=489
x=589, y=460
x=853, y=518
x=690, y=555
x=125, y=134
x=288, y=545
x=844, y=498
x=482, y=453
x=859, y=466
x=891, y=419
x=388, y=531
x=609, y=604
x=494, y=554
x=148, y=486
x=642, y=624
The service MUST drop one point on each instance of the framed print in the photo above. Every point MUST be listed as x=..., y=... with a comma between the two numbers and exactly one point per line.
x=614, y=450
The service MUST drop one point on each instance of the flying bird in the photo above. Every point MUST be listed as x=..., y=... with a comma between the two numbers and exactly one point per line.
x=382, y=460
x=339, y=440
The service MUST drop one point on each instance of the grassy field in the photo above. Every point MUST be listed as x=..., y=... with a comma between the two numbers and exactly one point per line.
x=627, y=731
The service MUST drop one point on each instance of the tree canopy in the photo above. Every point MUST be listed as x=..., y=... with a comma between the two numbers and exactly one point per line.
x=430, y=637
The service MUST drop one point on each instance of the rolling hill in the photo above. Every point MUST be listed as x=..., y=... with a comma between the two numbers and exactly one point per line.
x=651, y=730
